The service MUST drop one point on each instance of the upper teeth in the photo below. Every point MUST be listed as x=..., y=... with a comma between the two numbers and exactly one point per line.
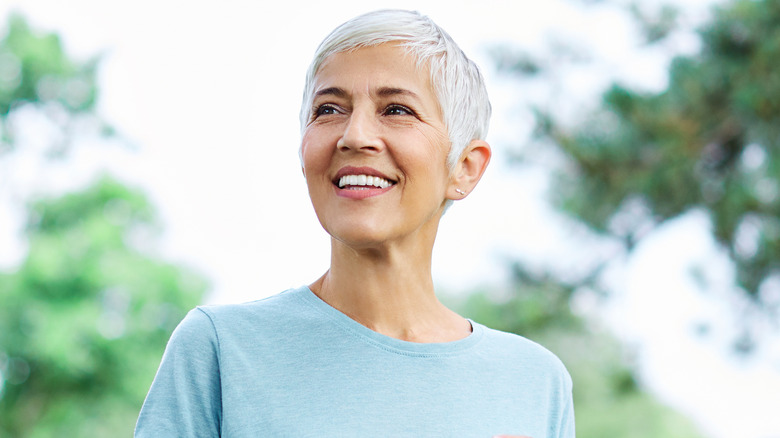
x=363, y=180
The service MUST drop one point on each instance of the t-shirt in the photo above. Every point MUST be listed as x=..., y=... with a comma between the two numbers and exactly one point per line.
x=293, y=366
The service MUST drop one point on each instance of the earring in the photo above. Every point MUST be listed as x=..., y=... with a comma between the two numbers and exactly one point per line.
x=460, y=192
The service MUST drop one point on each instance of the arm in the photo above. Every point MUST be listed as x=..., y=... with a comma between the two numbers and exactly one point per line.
x=185, y=398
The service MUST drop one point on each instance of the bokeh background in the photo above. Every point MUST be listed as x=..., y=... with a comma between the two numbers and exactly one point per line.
x=629, y=220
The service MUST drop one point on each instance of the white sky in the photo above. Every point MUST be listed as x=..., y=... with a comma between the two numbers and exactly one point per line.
x=208, y=92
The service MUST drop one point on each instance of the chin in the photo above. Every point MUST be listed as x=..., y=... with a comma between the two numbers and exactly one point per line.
x=359, y=237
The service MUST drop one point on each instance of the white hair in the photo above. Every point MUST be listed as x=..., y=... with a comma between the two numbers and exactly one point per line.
x=456, y=79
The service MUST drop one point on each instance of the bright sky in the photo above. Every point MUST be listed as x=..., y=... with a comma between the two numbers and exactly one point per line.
x=208, y=93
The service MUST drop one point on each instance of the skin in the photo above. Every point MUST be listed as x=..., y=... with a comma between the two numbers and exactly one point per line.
x=375, y=108
x=380, y=273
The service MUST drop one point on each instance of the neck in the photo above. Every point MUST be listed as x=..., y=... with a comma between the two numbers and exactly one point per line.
x=389, y=290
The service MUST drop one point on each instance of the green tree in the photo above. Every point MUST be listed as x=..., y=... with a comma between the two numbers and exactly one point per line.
x=85, y=317
x=710, y=141
x=35, y=72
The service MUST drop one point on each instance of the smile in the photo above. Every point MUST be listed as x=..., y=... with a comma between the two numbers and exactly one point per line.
x=362, y=182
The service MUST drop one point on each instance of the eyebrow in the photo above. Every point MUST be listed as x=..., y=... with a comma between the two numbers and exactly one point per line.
x=392, y=91
x=331, y=91
x=382, y=92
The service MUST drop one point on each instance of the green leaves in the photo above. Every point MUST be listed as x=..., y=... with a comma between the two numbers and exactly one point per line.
x=87, y=312
x=85, y=317
x=711, y=140
x=37, y=75
x=36, y=69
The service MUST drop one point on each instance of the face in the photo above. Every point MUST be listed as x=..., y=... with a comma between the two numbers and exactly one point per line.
x=375, y=148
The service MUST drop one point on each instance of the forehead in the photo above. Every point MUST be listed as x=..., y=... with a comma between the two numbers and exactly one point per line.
x=383, y=65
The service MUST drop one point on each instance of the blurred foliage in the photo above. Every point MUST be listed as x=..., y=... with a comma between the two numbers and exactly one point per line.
x=36, y=69
x=85, y=317
x=36, y=72
x=608, y=400
x=709, y=142
x=655, y=25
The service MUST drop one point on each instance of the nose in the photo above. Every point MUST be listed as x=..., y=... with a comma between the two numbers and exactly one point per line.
x=361, y=133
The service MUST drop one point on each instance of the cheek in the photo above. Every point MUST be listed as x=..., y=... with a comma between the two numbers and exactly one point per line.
x=437, y=140
x=313, y=153
x=433, y=156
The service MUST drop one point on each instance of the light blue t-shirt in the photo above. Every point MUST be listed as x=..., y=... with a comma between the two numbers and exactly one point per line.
x=293, y=366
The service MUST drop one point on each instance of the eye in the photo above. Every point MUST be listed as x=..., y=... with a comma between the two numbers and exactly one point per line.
x=398, y=110
x=325, y=110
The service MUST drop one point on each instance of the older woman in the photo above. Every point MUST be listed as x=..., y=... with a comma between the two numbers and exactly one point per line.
x=393, y=120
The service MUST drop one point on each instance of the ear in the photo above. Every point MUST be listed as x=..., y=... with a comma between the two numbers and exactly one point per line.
x=469, y=169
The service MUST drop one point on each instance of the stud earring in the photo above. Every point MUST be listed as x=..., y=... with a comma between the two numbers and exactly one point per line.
x=460, y=192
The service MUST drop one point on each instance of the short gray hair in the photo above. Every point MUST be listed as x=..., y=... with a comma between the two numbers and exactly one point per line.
x=456, y=79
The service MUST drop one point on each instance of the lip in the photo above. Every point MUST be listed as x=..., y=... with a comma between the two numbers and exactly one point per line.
x=365, y=192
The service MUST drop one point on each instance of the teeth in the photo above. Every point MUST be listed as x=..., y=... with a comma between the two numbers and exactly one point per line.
x=363, y=180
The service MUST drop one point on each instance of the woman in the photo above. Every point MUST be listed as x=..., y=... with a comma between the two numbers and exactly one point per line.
x=393, y=122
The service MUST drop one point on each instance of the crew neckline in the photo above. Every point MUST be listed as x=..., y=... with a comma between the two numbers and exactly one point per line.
x=388, y=343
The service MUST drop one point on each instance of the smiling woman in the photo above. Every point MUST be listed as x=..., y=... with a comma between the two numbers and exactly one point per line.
x=393, y=124
x=375, y=114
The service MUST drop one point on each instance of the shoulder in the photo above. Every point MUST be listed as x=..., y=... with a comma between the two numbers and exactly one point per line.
x=270, y=308
x=526, y=354
x=260, y=321
x=207, y=333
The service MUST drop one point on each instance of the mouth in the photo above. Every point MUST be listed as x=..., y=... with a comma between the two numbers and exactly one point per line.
x=361, y=178
x=363, y=182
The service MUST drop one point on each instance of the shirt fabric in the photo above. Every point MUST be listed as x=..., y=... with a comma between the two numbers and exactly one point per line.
x=292, y=365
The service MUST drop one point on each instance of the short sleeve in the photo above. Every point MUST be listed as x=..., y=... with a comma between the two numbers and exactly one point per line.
x=185, y=397
x=566, y=428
